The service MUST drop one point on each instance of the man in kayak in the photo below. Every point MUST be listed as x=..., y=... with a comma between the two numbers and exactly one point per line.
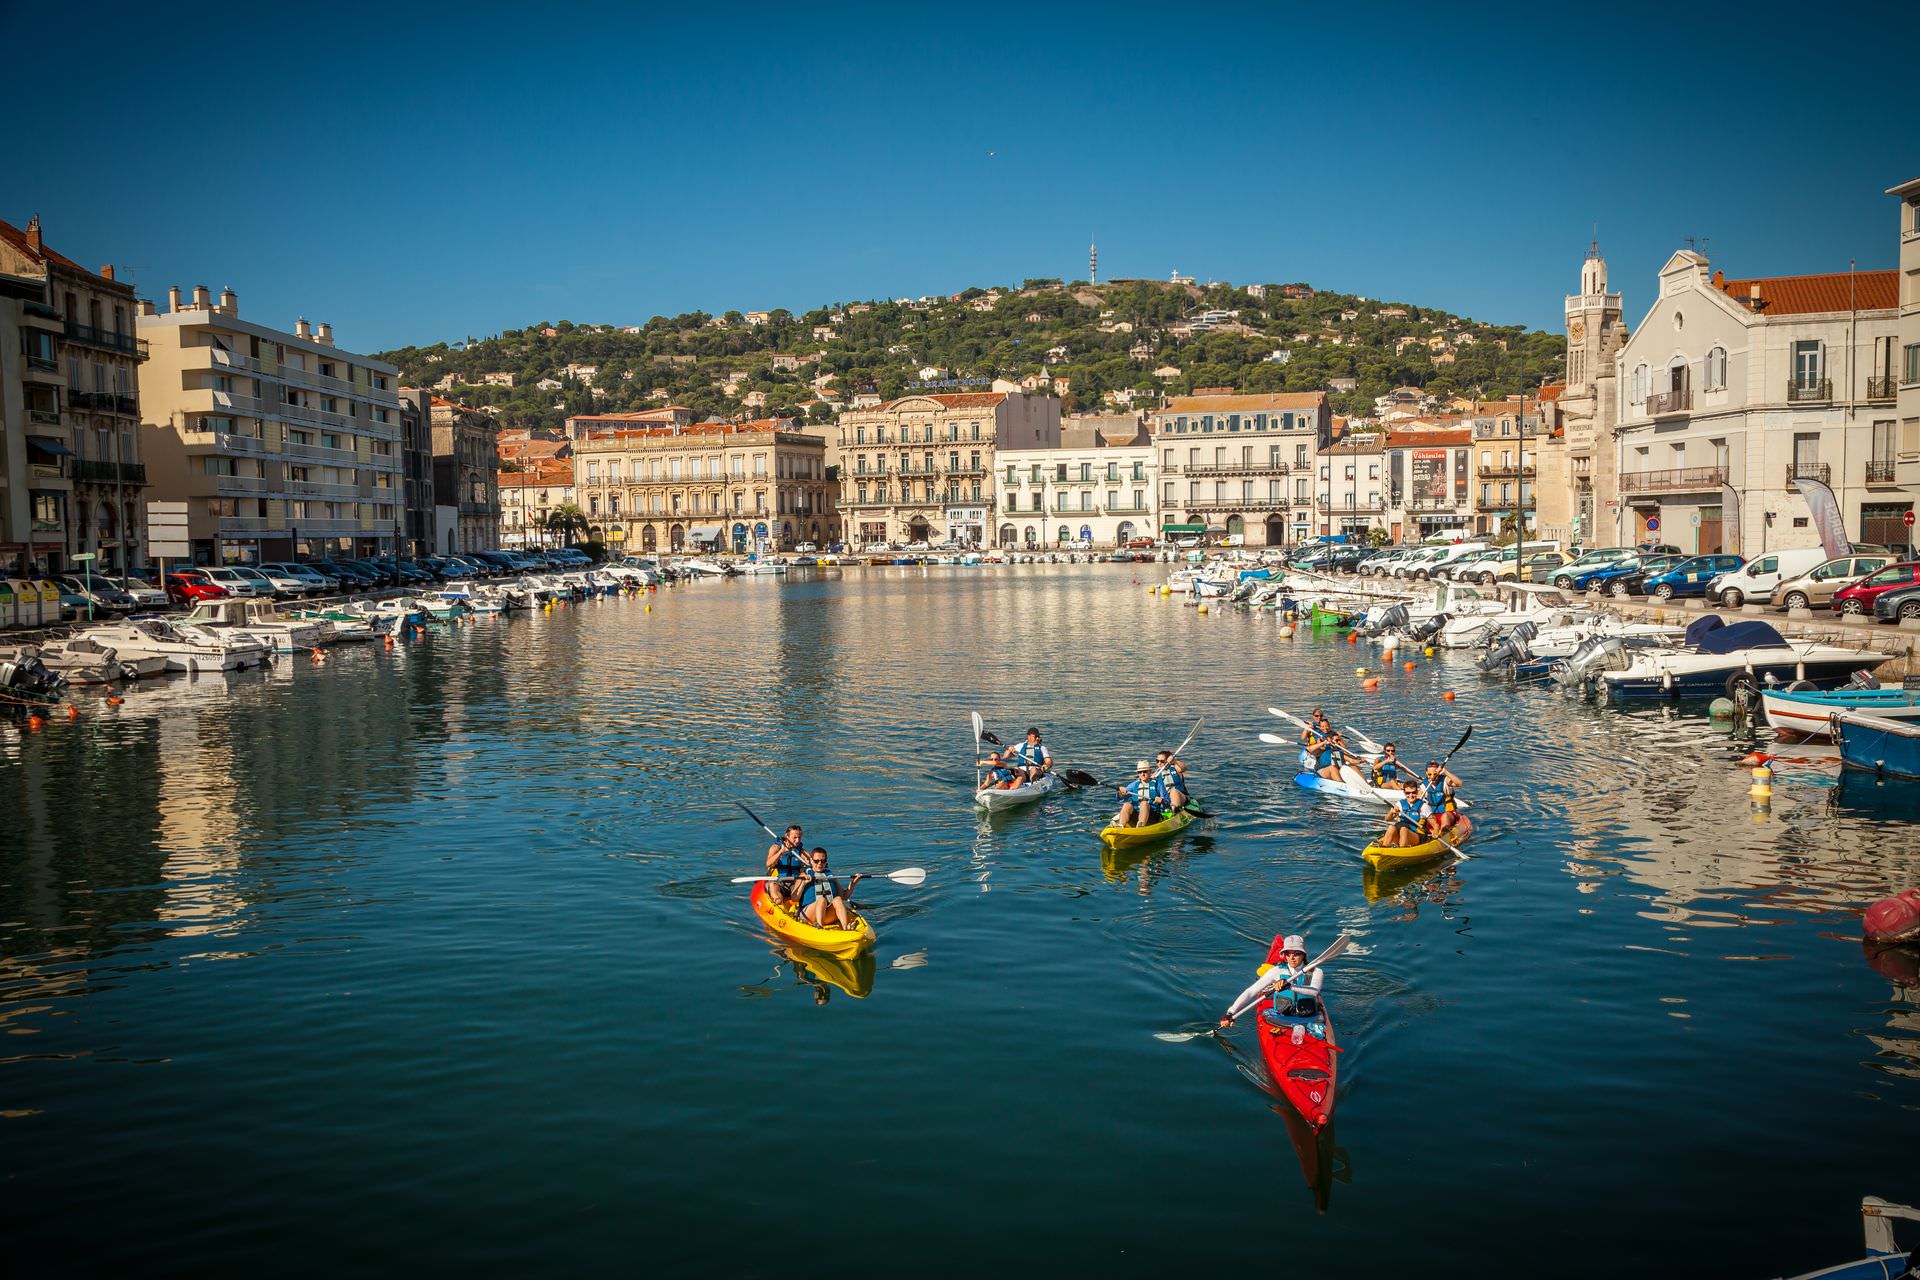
x=1407, y=821
x=787, y=857
x=1438, y=792
x=1295, y=989
x=823, y=902
x=1142, y=801
x=1031, y=759
x=1329, y=754
x=1318, y=730
x=1171, y=773
x=998, y=776
x=1386, y=770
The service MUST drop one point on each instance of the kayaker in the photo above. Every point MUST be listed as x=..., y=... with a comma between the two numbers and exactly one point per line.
x=1171, y=773
x=822, y=900
x=1318, y=730
x=787, y=857
x=1140, y=798
x=998, y=776
x=1438, y=792
x=1295, y=989
x=1386, y=770
x=1408, y=819
x=1031, y=758
x=1329, y=754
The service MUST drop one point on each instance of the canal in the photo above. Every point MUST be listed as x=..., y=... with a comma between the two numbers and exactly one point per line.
x=428, y=957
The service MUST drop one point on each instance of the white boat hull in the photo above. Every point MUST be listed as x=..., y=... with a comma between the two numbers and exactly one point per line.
x=995, y=800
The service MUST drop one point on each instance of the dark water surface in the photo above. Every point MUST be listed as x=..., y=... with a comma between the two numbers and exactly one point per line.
x=428, y=958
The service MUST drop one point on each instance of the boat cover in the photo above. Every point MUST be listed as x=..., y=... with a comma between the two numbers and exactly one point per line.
x=1697, y=629
x=1741, y=635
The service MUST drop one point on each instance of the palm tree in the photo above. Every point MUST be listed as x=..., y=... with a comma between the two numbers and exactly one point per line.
x=566, y=520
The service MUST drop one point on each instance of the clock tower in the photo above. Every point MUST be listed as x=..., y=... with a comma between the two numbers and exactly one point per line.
x=1590, y=404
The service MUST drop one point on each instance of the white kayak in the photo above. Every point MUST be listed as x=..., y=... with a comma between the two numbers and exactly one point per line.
x=997, y=799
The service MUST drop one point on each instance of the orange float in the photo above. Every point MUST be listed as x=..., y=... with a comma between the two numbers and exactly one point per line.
x=1407, y=665
x=1448, y=695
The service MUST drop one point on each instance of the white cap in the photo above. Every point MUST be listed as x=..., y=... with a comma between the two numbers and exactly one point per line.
x=1294, y=942
x=1145, y=766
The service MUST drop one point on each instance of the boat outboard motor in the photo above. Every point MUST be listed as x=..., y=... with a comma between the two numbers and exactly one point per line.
x=1501, y=653
x=29, y=675
x=1391, y=617
x=1431, y=627
x=1593, y=656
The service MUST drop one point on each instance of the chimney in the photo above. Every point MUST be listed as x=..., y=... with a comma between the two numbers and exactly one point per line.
x=106, y=272
x=1753, y=298
x=301, y=329
x=1719, y=278
x=33, y=234
x=173, y=298
x=202, y=298
x=324, y=335
x=229, y=301
x=145, y=306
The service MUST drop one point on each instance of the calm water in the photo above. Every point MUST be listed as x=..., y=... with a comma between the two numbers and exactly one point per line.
x=428, y=958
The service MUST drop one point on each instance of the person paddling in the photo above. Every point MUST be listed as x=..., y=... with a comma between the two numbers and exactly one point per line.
x=1031, y=758
x=1295, y=990
x=1407, y=821
x=787, y=857
x=1328, y=755
x=1140, y=799
x=999, y=777
x=1387, y=769
x=1438, y=791
x=1318, y=730
x=823, y=901
x=1170, y=771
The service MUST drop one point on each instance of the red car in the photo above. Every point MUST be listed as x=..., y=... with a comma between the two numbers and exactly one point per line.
x=190, y=585
x=1859, y=597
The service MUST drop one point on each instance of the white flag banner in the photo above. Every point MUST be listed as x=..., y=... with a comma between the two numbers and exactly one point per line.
x=1729, y=519
x=1826, y=517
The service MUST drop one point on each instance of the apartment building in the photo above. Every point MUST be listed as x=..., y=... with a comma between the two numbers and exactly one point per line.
x=1507, y=437
x=1240, y=466
x=921, y=468
x=1352, y=494
x=1736, y=389
x=529, y=496
x=1906, y=453
x=466, y=476
x=747, y=486
x=1429, y=492
x=35, y=489
x=416, y=469
x=84, y=478
x=1079, y=495
x=281, y=444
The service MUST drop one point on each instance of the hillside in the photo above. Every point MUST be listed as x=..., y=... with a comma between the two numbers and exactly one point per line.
x=1108, y=338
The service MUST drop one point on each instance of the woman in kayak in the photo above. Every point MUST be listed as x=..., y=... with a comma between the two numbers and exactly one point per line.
x=1142, y=801
x=1438, y=792
x=1319, y=729
x=1031, y=758
x=1295, y=988
x=1171, y=773
x=1329, y=754
x=1407, y=822
x=1386, y=770
x=999, y=776
x=822, y=901
x=786, y=857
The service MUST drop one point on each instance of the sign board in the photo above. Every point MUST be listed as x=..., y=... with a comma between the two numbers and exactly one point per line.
x=1907, y=519
x=167, y=531
x=83, y=557
x=1696, y=519
x=1653, y=524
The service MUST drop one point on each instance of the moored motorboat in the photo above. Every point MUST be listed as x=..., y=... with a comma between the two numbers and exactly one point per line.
x=1885, y=1259
x=185, y=647
x=1807, y=711
x=1883, y=742
x=1719, y=659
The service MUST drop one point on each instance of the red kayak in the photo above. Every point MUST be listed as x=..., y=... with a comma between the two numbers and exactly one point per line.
x=1304, y=1069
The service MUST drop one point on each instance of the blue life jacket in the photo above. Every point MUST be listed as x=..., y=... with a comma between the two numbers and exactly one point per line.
x=789, y=863
x=819, y=886
x=999, y=773
x=1408, y=814
x=1387, y=771
x=1142, y=792
x=1030, y=753
x=1435, y=794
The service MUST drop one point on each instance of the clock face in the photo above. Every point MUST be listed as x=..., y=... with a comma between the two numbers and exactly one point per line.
x=1577, y=330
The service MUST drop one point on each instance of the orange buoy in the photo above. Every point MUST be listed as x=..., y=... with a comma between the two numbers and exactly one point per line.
x=1371, y=682
x=114, y=702
x=1448, y=695
x=1353, y=637
x=389, y=640
x=73, y=712
x=34, y=722
x=1407, y=665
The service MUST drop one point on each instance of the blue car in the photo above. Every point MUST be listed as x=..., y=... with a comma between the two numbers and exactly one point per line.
x=1605, y=576
x=1688, y=578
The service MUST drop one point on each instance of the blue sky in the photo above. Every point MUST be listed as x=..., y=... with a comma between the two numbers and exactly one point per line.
x=418, y=175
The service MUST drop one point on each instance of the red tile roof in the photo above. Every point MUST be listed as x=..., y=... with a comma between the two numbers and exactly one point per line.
x=958, y=400
x=1427, y=439
x=18, y=239
x=1806, y=295
x=1242, y=403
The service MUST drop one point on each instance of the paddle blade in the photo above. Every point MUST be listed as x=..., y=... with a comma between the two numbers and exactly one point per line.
x=1275, y=740
x=751, y=879
x=909, y=876
x=1178, y=1037
x=1461, y=743
x=992, y=739
x=911, y=960
x=1079, y=778
x=977, y=730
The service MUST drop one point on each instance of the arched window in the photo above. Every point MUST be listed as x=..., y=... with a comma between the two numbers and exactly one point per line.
x=1717, y=369
x=1236, y=525
x=1007, y=535
x=1064, y=534
x=1032, y=537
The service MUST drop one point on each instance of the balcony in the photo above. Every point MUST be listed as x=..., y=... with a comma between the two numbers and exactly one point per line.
x=1809, y=390
x=1492, y=431
x=1427, y=502
x=1883, y=387
x=1880, y=472
x=103, y=402
x=1202, y=469
x=1347, y=504
x=916, y=471
x=317, y=452
x=44, y=417
x=1673, y=480
x=1670, y=403
x=1798, y=471
x=243, y=524
x=1504, y=471
x=107, y=340
x=106, y=472
x=481, y=509
x=1235, y=504
x=240, y=484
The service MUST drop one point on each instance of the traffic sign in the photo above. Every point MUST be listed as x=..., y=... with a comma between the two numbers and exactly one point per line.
x=1696, y=519
x=83, y=557
x=1653, y=524
x=1907, y=519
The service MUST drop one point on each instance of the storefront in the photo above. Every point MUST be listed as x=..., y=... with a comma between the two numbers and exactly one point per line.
x=967, y=526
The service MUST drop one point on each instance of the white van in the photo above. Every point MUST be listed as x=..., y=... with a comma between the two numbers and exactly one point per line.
x=1756, y=579
x=1448, y=555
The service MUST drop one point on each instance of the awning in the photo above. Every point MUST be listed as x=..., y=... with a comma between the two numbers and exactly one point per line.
x=1183, y=528
x=48, y=445
x=705, y=533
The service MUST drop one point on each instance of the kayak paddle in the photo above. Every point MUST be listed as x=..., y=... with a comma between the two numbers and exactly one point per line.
x=909, y=876
x=756, y=822
x=1333, y=952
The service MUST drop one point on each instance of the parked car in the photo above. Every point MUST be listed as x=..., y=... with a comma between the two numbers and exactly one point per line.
x=1897, y=602
x=307, y=581
x=1541, y=566
x=1816, y=586
x=237, y=583
x=1464, y=568
x=145, y=594
x=277, y=584
x=1688, y=578
x=1139, y=544
x=1858, y=598
x=351, y=577
x=1603, y=577
x=1590, y=559
x=101, y=594
x=1756, y=579
x=190, y=586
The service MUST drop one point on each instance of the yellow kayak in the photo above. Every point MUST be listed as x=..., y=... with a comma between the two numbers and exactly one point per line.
x=1152, y=831
x=852, y=974
x=834, y=942
x=1381, y=856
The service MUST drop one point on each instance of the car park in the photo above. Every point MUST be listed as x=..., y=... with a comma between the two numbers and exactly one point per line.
x=1690, y=577
x=1464, y=568
x=1857, y=598
x=145, y=594
x=1591, y=559
x=1816, y=587
x=302, y=580
x=1603, y=577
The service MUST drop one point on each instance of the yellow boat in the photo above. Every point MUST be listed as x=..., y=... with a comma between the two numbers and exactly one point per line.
x=1381, y=856
x=834, y=942
x=1152, y=831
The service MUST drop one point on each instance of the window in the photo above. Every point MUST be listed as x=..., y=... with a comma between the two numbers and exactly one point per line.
x=1717, y=369
x=1638, y=384
x=1113, y=472
x=1910, y=373
x=1807, y=362
x=1060, y=473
